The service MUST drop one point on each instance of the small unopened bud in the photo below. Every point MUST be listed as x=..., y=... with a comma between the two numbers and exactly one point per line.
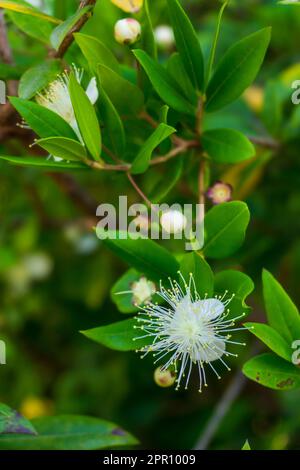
x=164, y=37
x=142, y=291
x=220, y=192
x=164, y=378
x=127, y=31
x=173, y=221
x=254, y=97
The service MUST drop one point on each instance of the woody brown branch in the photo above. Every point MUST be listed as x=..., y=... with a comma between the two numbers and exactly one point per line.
x=68, y=40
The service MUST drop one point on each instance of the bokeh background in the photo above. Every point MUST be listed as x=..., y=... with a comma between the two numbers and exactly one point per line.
x=55, y=276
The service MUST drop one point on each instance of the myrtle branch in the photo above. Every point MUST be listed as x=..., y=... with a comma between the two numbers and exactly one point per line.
x=68, y=40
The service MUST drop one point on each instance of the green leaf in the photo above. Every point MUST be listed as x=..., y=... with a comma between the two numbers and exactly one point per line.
x=272, y=339
x=164, y=84
x=237, y=70
x=238, y=284
x=43, y=163
x=11, y=72
x=167, y=181
x=113, y=124
x=11, y=422
x=60, y=32
x=37, y=78
x=86, y=118
x=126, y=97
x=282, y=313
x=203, y=276
x=246, y=446
x=96, y=52
x=144, y=255
x=120, y=336
x=142, y=160
x=272, y=372
x=69, y=433
x=67, y=149
x=177, y=71
x=187, y=43
x=124, y=301
x=225, y=227
x=44, y=122
x=227, y=146
x=24, y=8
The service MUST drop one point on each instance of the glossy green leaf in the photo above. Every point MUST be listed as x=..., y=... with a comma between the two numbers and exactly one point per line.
x=37, y=78
x=124, y=302
x=25, y=9
x=67, y=149
x=96, y=52
x=282, y=313
x=60, y=32
x=273, y=372
x=272, y=339
x=120, y=336
x=236, y=284
x=144, y=255
x=193, y=263
x=167, y=181
x=246, y=446
x=142, y=160
x=164, y=84
x=43, y=121
x=227, y=146
x=86, y=118
x=43, y=163
x=69, y=433
x=237, y=70
x=113, y=124
x=126, y=97
x=187, y=43
x=11, y=422
x=225, y=226
x=177, y=71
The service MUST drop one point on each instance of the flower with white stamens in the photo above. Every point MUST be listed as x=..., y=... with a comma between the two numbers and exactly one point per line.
x=188, y=330
x=56, y=97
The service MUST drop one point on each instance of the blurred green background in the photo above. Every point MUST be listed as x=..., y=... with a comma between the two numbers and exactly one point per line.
x=55, y=276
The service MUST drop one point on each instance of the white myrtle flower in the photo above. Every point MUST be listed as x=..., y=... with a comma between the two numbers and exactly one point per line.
x=189, y=330
x=56, y=97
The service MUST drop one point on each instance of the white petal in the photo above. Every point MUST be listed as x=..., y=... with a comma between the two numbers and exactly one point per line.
x=92, y=91
x=211, y=308
x=212, y=352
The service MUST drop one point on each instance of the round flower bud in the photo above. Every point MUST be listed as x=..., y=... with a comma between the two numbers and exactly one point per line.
x=220, y=192
x=142, y=291
x=127, y=31
x=164, y=378
x=164, y=37
x=173, y=221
